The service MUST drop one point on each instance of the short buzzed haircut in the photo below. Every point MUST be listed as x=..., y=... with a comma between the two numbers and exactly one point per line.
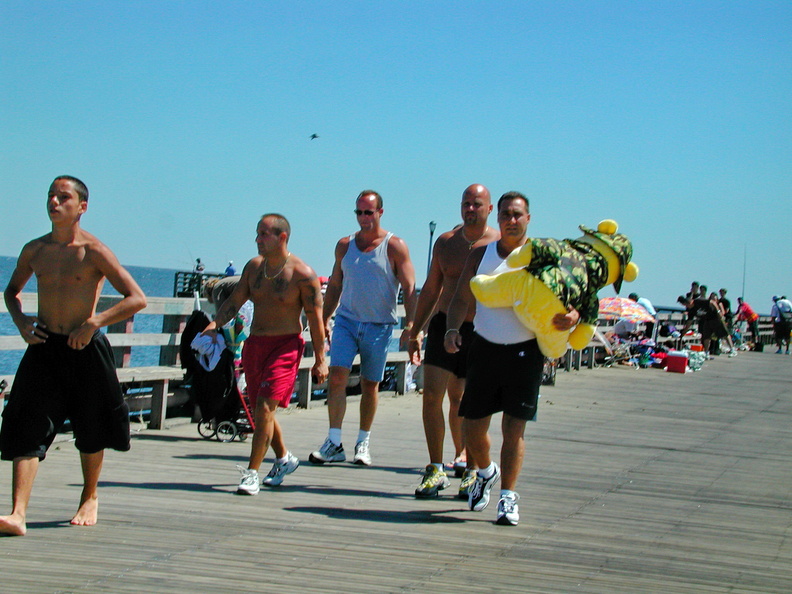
x=79, y=186
x=371, y=193
x=514, y=196
x=281, y=223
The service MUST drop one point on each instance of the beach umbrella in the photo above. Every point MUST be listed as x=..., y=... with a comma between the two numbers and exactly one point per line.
x=620, y=307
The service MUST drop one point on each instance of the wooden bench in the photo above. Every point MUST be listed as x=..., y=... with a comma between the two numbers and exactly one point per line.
x=305, y=385
x=157, y=378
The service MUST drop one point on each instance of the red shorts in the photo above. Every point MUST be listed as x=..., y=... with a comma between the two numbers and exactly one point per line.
x=270, y=364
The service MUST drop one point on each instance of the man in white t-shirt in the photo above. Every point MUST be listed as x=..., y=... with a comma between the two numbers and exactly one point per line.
x=781, y=313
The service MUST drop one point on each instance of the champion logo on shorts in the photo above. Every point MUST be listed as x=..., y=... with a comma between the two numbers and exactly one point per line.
x=521, y=354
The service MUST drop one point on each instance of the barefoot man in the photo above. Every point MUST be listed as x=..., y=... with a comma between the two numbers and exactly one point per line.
x=281, y=286
x=68, y=370
x=442, y=370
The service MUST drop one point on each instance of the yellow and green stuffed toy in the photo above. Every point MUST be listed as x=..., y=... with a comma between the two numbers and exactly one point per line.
x=553, y=275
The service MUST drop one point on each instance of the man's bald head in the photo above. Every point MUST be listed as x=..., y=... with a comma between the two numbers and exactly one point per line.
x=477, y=191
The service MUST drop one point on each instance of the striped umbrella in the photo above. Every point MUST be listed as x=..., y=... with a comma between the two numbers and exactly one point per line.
x=612, y=308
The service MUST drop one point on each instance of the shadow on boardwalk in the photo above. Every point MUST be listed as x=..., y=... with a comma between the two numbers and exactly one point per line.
x=633, y=481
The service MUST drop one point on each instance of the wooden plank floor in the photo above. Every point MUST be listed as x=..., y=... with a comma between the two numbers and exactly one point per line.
x=634, y=481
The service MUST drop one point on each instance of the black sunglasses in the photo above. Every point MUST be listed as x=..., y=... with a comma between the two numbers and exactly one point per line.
x=368, y=213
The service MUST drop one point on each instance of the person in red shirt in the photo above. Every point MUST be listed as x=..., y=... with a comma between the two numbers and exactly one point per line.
x=746, y=313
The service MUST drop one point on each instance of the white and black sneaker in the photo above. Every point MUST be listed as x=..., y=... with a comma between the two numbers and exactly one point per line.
x=479, y=496
x=280, y=470
x=329, y=452
x=508, y=510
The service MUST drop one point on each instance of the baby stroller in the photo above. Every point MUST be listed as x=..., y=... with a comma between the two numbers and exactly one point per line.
x=225, y=414
x=617, y=351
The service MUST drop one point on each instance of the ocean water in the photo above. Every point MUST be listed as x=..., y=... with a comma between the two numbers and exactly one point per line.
x=155, y=282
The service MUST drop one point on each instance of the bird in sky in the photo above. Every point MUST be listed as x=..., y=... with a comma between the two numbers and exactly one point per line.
x=313, y=136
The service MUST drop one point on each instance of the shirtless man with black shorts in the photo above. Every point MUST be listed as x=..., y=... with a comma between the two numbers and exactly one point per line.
x=68, y=370
x=281, y=286
x=442, y=370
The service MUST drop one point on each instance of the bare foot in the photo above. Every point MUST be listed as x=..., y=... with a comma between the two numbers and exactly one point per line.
x=87, y=514
x=12, y=526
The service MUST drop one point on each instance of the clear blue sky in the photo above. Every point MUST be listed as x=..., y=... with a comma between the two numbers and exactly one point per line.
x=188, y=120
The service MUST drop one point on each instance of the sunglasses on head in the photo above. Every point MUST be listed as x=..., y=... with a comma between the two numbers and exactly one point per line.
x=368, y=213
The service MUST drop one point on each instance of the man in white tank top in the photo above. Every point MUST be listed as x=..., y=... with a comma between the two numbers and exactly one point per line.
x=369, y=267
x=504, y=366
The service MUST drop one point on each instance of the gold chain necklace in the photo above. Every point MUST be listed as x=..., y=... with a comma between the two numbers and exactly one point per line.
x=267, y=276
x=470, y=243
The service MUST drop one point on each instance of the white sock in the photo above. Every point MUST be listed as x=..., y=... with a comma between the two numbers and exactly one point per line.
x=335, y=436
x=363, y=435
x=506, y=492
x=438, y=466
x=487, y=472
x=283, y=460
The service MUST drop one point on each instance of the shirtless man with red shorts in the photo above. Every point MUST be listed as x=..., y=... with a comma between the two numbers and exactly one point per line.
x=281, y=286
x=68, y=369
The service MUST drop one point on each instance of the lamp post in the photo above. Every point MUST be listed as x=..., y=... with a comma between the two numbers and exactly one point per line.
x=432, y=227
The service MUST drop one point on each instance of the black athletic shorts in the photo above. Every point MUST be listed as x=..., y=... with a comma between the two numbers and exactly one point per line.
x=502, y=377
x=436, y=354
x=712, y=327
x=55, y=382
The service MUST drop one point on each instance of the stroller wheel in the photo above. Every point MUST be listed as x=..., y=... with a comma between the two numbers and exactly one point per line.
x=242, y=436
x=206, y=429
x=226, y=431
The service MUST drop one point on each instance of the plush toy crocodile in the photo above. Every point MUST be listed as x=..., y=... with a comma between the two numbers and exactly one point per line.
x=552, y=275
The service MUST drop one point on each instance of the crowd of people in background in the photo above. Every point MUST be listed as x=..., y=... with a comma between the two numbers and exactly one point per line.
x=716, y=322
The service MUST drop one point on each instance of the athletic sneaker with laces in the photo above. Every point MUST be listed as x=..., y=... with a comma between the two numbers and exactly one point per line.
x=479, y=496
x=508, y=510
x=249, y=484
x=362, y=455
x=467, y=482
x=432, y=483
x=280, y=470
x=329, y=452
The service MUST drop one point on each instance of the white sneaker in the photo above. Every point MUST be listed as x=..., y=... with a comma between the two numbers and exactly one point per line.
x=280, y=470
x=249, y=484
x=362, y=455
x=508, y=510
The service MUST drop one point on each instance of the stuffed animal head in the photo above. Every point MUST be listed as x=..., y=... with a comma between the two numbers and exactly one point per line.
x=615, y=248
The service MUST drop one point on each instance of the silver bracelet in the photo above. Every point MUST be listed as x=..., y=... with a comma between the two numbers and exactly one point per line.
x=452, y=330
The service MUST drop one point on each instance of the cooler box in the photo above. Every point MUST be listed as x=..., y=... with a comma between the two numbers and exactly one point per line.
x=676, y=361
x=697, y=347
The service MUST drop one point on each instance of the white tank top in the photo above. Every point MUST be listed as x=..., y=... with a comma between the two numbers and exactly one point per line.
x=498, y=324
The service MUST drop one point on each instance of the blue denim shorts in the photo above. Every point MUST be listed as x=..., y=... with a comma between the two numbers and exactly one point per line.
x=367, y=338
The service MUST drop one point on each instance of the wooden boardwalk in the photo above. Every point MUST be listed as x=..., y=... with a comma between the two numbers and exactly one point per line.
x=634, y=481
